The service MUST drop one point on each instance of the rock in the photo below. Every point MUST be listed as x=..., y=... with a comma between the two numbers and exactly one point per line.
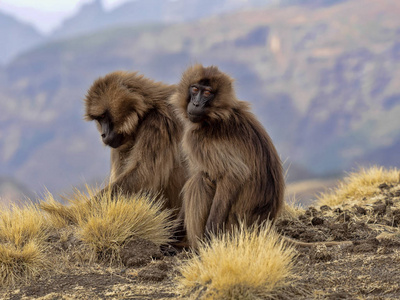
x=360, y=210
x=325, y=208
x=344, y=217
x=380, y=209
x=384, y=186
x=317, y=221
x=320, y=253
x=139, y=252
x=155, y=272
x=388, y=202
x=370, y=245
x=338, y=210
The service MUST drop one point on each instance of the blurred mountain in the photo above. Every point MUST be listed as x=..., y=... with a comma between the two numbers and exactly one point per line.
x=14, y=192
x=323, y=80
x=92, y=16
x=16, y=37
x=311, y=2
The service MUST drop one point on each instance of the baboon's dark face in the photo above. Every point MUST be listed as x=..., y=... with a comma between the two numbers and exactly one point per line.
x=200, y=97
x=108, y=134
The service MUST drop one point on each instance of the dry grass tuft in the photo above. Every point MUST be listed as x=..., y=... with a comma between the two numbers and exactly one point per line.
x=106, y=223
x=291, y=210
x=113, y=222
x=78, y=207
x=250, y=263
x=357, y=185
x=23, y=231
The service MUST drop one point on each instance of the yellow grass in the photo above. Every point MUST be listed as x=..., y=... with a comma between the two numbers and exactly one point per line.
x=291, y=210
x=23, y=231
x=106, y=223
x=357, y=185
x=250, y=263
x=78, y=207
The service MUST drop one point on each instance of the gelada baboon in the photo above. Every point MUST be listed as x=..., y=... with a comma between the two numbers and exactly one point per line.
x=235, y=171
x=135, y=119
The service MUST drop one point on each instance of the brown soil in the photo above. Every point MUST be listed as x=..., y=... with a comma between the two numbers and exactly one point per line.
x=366, y=269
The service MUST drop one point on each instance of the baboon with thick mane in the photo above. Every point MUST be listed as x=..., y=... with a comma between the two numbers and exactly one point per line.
x=135, y=119
x=235, y=171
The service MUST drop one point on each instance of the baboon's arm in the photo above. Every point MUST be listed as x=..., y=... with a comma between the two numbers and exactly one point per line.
x=234, y=173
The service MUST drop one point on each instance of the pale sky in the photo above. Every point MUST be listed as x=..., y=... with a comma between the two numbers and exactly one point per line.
x=46, y=15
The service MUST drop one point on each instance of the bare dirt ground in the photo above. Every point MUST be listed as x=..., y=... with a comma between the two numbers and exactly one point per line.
x=366, y=269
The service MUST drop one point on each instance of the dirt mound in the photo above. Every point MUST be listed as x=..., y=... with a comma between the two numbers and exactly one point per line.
x=367, y=269
x=139, y=252
x=352, y=221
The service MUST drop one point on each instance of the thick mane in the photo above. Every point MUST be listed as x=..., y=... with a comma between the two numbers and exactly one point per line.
x=135, y=119
x=221, y=84
x=127, y=97
x=235, y=171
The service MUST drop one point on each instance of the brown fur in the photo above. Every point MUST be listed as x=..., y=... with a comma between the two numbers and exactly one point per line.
x=235, y=171
x=149, y=159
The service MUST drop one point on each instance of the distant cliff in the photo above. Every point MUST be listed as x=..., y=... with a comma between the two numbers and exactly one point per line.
x=93, y=17
x=16, y=37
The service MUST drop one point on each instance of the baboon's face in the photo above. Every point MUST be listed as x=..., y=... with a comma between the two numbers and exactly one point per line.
x=107, y=131
x=204, y=95
x=115, y=107
x=200, y=96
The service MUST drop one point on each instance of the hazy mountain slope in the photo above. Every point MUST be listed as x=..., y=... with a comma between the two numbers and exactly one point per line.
x=92, y=16
x=12, y=191
x=15, y=37
x=323, y=81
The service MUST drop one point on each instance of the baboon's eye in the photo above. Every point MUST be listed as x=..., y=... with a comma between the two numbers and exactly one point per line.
x=194, y=89
x=102, y=116
x=207, y=93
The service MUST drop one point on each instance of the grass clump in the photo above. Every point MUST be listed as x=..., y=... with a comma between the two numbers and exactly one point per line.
x=112, y=222
x=105, y=222
x=77, y=208
x=249, y=263
x=291, y=210
x=357, y=185
x=23, y=234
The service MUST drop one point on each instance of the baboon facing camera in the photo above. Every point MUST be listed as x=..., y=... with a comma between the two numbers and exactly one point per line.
x=235, y=173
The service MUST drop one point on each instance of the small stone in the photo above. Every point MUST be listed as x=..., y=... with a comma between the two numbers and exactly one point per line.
x=388, y=202
x=325, y=208
x=139, y=252
x=384, y=186
x=320, y=253
x=360, y=210
x=338, y=210
x=380, y=209
x=344, y=217
x=317, y=221
x=369, y=245
x=154, y=272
